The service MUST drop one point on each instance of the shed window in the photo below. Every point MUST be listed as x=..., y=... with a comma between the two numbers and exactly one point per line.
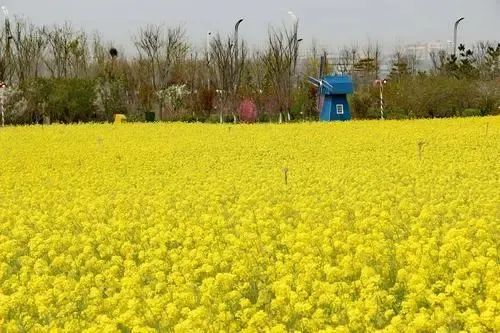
x=340, y=108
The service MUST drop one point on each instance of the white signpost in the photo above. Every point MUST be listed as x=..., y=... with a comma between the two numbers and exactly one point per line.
x=3, y=88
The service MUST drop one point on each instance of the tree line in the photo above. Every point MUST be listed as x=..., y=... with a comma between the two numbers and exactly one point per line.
x=67, y=75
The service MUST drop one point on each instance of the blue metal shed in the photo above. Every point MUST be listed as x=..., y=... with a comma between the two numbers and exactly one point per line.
x=334, y=90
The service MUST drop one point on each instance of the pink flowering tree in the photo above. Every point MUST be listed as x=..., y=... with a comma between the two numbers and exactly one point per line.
x=247, y=111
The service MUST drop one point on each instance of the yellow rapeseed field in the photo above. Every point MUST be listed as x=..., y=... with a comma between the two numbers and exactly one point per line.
x=363, y=226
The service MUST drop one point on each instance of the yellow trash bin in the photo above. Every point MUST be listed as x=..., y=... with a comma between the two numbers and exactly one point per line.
x=120, y=118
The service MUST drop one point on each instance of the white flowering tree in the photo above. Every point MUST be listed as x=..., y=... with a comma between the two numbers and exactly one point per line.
x=172, y=97
x=12, y=105
x=160, y=50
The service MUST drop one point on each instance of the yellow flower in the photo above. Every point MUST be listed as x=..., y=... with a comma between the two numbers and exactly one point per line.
x=192, y=228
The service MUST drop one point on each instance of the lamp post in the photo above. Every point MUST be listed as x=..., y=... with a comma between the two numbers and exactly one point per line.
x=295, y=20
x=5, y=12
x=449, y=46
x=455, y=31
x=209, y=34
x=236, y=28
x=236, y=65
x=295, y=54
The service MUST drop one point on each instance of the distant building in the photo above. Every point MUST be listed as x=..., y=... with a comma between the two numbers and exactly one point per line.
x=422, y=52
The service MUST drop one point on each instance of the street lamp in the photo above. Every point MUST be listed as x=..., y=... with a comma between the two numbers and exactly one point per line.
x=293, y=16
x=236, y=28
x=449, y=46
x=209, y=34
x=295, y=20
x=295, y=54
x=455, y=31
x=236, y=64
x=5, y=12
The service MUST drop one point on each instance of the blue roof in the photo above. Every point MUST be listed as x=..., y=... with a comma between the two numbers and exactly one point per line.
x=338, y=85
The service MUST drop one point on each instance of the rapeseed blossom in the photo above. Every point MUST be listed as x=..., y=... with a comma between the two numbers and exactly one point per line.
x=380, y=226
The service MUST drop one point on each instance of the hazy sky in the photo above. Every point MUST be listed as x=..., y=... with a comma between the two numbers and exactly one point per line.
x=332, y=23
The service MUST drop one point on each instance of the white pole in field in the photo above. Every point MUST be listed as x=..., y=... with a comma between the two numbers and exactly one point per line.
x=2, y=99
x=381, y=100
x=380, y=84
x=3, y=86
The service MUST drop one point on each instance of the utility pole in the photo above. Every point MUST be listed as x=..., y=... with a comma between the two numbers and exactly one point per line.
x=236, y=73
x=296, y=41
x=455, y=32
x=295, y=55
x=236, y=28
x=9, y=36
x=209, y=34
x=323, y=64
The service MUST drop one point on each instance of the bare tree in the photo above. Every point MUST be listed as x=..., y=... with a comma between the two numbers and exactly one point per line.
x=149, y=44
x=228, y=63
x=487, y=58
x=280, y=60
x=29, y=45
x=367, y=67
x=160, y=52
x=67, y=52
x=176, y=50
x=439, y=60
x=256, y=72
x=99, y=51
x=112, y=73
x=403, y=63
x=5, y=56
x=6, y=64
x=348, y=57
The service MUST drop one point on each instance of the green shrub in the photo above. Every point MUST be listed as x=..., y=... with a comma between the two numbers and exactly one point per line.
x=374, y=113
x=72, y=100
x=396, y=113
x=361, y=103
x=63, y=100
x=471, y=113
